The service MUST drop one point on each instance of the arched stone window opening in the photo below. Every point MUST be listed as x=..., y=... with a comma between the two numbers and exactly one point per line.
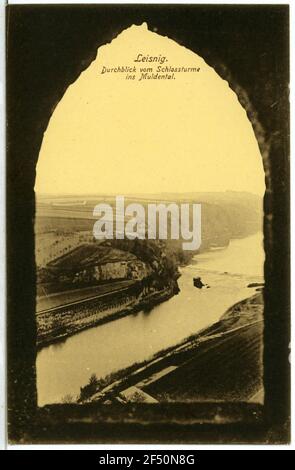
x=272, y=142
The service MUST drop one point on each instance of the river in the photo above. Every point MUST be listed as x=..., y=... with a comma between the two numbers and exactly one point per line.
x=62, y=368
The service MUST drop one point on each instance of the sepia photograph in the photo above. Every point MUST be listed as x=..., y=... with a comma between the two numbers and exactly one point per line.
x=148, y=224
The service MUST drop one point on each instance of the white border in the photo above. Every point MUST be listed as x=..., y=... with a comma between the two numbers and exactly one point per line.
x=2, y=238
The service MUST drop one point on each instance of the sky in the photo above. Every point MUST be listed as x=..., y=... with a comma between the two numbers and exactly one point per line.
x=109, y=134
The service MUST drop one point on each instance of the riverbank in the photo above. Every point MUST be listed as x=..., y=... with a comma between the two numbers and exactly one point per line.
x=222, y=362
x=57, y=324
x=63, y=367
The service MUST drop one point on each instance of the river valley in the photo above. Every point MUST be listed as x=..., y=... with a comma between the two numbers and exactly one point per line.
x=64, y=367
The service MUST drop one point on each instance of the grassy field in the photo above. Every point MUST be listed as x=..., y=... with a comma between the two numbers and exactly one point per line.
x=90, y=255
x=74, y=295
x=226, y=369
x=222, y=363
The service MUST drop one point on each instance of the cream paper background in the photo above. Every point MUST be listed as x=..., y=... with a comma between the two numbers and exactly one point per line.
x=113, y=135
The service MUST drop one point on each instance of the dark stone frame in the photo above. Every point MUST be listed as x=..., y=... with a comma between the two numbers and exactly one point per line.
x=48, y=47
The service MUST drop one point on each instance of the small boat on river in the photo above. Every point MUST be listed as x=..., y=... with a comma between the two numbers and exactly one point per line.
x=198, y=282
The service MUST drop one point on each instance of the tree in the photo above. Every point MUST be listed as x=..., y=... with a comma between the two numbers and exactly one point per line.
x=93, y=380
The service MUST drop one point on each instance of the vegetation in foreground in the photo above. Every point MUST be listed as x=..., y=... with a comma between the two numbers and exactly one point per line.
x=236, y=337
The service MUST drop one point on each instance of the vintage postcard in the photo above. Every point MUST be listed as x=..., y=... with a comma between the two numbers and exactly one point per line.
x=148, y=223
